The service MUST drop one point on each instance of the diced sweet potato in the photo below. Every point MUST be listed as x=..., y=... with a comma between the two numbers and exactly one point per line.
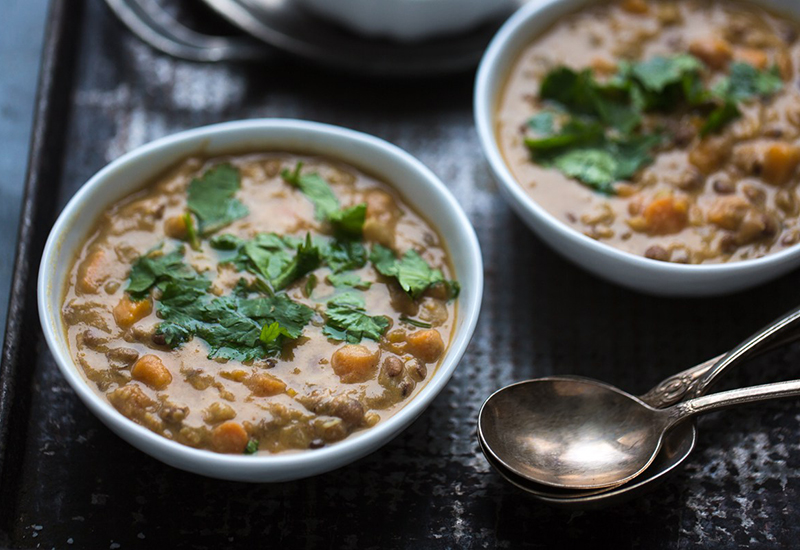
x=666, y=215
x=714, y=51
x=780, y=162
x=229, y=437
x=92, y=272
x=752, y=56
x=265, y=385
x=150, y=370
x=128, y=311
x=354, y=363
x=773, y=161
x=426, y=345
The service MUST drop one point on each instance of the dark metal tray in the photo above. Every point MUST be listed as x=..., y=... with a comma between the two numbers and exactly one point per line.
x=68, y=482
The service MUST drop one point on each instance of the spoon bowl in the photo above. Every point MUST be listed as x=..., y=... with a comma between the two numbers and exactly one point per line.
x=570, y=432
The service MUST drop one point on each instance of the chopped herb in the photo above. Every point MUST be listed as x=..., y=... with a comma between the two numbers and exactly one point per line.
x=226, y=241
x=344, y=255
x=542, y=123
x=156, y=268
x=719, y=117
x=745, y=82
x=307, y=259
x=657, y=73
x=415, y=323
x=235, y=326
x=597, y=141
x=347, y=320
x=191, y=232
x=311, y=284
x=411, y=271
x=347, y=222
x=348, y=280
x=212, y=198
x=251, y=447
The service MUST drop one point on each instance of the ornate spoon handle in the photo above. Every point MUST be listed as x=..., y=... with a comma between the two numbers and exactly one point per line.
x=687, y=383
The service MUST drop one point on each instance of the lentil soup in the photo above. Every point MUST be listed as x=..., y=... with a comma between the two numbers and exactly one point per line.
x=668, y=129
x=260, y=303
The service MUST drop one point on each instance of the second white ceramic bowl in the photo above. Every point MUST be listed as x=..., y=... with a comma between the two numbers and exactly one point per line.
x=615, y=265
x=418, y=185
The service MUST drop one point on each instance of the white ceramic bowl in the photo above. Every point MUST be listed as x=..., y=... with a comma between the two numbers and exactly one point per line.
x=420, y=188
x=408, y=20
x=621, y=267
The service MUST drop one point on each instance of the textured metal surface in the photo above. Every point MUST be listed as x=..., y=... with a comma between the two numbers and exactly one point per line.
x=68, y=482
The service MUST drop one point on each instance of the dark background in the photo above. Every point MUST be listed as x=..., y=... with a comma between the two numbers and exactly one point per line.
x=68, y=482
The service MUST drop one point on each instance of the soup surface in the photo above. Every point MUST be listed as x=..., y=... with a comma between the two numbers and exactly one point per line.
x=668, y=129
x=262, y=302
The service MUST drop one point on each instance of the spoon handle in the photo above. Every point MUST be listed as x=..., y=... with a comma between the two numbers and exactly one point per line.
x=731, y=398
x=687, y=383
x=773, y=335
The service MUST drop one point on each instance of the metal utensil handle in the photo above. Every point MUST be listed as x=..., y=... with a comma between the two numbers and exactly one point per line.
x=147, y=20
x=731, y=398
x=772, y=333
x=686, y=383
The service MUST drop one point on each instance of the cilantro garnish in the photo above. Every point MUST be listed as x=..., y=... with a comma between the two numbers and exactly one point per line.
x=411, y=271
x=191, y=232
x=415, y=322
x=594, y=135
x=156, y=268
x=347, y=222
x=235, y=326
x=347, y=320
x=251, y=447
x=269, y=256
x=212, y=198
x=307, y=259
x=352, y=280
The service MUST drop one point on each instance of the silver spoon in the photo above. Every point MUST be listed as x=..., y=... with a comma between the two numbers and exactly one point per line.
x=502, y=443
x=591, y=435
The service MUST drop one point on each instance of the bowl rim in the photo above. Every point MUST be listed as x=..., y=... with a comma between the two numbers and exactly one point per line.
x=342, y=452
x=486, y=95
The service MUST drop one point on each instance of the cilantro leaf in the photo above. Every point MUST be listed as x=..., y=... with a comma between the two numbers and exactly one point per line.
x=745, y=82
x=719, y=117
x=155, y=268
x=411, y=271
x=235, y=327
x=594, y=167
x=347, y=222
x=658, y=72
x=415, y=322
x=575, y=132
x=191, y=233
x=542, y=123
x=307, y=259
x=226, y=241
x=251, y=447
x=344, y=255
x=347, y=320
x=348, y=280
x=316, y=189
x=212, y=198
